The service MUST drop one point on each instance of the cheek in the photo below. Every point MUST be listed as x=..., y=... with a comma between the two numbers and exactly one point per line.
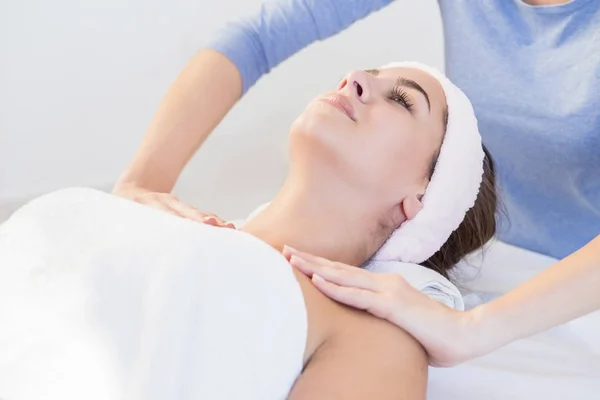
x=321, y=120
x=396, y=152
x=319, y=137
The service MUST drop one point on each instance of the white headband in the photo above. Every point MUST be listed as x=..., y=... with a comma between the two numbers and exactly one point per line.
x=454, y=185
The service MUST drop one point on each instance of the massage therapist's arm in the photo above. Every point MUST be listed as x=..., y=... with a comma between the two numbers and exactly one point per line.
x=216, y=77
x=368, y=359
x=567, y=290
x=196, y=102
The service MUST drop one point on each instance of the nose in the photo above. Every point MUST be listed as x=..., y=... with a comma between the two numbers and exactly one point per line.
x=356, y=83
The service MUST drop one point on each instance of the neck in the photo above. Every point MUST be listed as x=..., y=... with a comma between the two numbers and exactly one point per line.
x=314, y=221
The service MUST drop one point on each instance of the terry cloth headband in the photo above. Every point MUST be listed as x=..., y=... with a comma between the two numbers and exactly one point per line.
x=454, y=185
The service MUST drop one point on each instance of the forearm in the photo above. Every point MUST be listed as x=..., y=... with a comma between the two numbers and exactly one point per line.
x=215, y=79
x=196, y=102
x=565, y=291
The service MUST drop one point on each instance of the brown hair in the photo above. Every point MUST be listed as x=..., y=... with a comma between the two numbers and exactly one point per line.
x=478, y=227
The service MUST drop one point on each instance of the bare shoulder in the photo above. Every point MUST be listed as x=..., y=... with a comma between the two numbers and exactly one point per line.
x=357, y=356
x=324, y=315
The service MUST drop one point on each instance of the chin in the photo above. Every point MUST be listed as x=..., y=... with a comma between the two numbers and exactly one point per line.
x=323, y=122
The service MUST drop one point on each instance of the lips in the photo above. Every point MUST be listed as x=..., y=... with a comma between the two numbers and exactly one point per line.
x=340, y=102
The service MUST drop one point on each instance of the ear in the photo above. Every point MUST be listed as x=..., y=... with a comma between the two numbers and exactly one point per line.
x=411, y=205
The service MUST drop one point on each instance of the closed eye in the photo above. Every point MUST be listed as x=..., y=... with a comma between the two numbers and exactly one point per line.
x=398, y=95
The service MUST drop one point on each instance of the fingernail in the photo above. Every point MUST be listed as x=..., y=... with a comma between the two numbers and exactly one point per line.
x=317, y=278
x=297, y=260
x=289, y=248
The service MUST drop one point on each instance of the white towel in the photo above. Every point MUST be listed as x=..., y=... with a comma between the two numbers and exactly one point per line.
x=102, y=298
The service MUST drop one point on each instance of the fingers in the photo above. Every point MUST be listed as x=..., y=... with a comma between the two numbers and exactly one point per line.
x=159, y=205
x=192, y=213
x=351, y=296
x=312, y=259
x=290, y=251
x=350, y=285
x=187, y=211
x=170, y=203
x=338, y=273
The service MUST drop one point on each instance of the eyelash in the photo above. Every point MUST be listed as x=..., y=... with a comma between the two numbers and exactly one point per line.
x=399, y=96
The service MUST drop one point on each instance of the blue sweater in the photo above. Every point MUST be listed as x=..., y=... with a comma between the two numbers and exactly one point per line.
x=533, y=75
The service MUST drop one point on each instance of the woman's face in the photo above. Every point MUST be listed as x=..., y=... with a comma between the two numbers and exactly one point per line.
x=377, y=133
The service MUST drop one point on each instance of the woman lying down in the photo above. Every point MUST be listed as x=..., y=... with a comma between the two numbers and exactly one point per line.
x=104, y=298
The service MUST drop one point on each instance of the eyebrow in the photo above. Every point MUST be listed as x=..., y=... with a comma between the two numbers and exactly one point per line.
x=414, y=85
x=409, y=83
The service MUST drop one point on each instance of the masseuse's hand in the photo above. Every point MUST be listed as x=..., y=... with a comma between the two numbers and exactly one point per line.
x=448, y=336
x=169, y=203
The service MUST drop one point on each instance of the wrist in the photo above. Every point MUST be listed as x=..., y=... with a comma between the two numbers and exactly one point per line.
x=124, y=185
x=152, y=177
x=483, y=336
x=127, y=183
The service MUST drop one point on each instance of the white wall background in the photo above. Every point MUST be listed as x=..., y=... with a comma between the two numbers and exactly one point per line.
x=80, y=81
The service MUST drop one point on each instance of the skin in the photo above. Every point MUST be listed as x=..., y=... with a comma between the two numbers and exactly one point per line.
x=212, y=83
x=352, y=182
x=350, y=169
x=450, y=336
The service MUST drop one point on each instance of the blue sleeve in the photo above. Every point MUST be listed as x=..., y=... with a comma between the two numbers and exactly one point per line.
x=280, y=28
